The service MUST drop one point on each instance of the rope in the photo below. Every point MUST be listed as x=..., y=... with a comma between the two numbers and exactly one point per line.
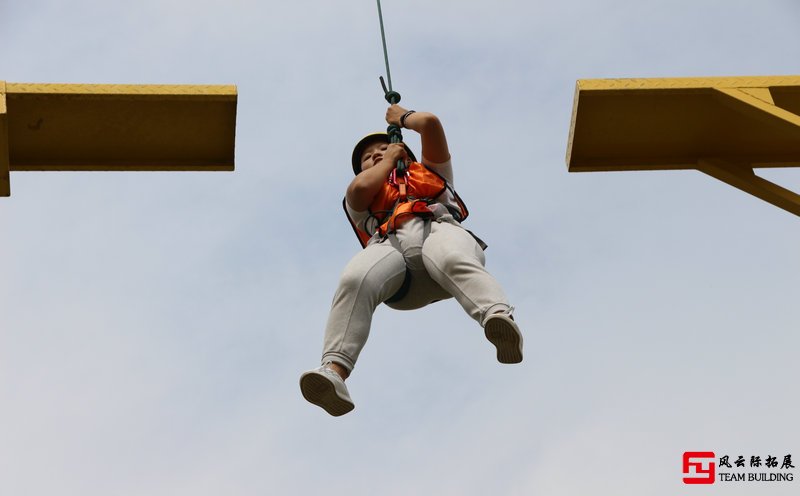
x=393, y=97
x=385, y=52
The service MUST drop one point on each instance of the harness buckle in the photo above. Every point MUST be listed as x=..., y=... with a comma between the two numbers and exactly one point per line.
x=401, y=180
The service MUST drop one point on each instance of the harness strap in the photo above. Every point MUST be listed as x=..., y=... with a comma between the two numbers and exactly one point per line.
x=401, y=185
x=403, y=291
x=401, y=212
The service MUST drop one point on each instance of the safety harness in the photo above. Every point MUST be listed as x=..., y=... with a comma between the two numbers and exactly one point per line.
x=404, y=196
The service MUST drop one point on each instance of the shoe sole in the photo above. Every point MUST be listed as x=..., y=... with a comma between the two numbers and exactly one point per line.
x=320, y=391
x=504, y=334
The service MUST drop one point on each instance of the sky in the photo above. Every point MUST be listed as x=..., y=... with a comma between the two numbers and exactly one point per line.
x=153, y=326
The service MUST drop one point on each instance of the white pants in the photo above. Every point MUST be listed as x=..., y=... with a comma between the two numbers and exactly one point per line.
x=444, y=261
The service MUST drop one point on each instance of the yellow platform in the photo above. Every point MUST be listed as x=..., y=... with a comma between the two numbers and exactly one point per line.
x=89, y=127
x=723, y=127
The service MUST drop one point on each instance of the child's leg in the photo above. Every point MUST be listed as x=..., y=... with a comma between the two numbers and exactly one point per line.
x=456, y=262
x=372, y=276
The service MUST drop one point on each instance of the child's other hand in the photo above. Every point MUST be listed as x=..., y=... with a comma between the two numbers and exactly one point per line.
x=395, y=152
x=394, y=113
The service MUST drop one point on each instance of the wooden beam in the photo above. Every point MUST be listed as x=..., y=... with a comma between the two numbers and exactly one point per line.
x=5, y=184
x=724, y=127
x=746, y=103
x=670, y=123
x=741, y=176
x=91, y=127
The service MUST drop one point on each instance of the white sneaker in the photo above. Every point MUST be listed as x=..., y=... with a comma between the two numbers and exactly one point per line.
x=503, y=332
x=325, y=388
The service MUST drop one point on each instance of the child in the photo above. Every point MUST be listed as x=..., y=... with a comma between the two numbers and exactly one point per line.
x=415, y=253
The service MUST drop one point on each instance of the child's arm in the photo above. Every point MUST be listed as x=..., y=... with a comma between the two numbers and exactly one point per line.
x=368, y=183
x=434, y=141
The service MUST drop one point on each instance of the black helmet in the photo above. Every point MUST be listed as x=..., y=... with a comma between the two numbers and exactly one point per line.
x=368, y=140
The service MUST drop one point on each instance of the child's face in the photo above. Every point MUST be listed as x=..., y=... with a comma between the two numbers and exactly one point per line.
x=372, y=154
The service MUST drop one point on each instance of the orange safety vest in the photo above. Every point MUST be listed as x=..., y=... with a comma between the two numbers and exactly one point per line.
x=392, y=205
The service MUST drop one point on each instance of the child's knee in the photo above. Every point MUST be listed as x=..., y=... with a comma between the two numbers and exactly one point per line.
x=353, y=277
x=449, y=258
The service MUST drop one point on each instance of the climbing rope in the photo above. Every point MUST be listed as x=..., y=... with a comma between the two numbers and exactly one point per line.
x=393, y=97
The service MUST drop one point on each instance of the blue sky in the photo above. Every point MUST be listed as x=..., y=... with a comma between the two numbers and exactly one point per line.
x=153, y=326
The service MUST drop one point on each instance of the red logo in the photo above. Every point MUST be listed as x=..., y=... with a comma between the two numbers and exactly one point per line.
x=698, y=467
